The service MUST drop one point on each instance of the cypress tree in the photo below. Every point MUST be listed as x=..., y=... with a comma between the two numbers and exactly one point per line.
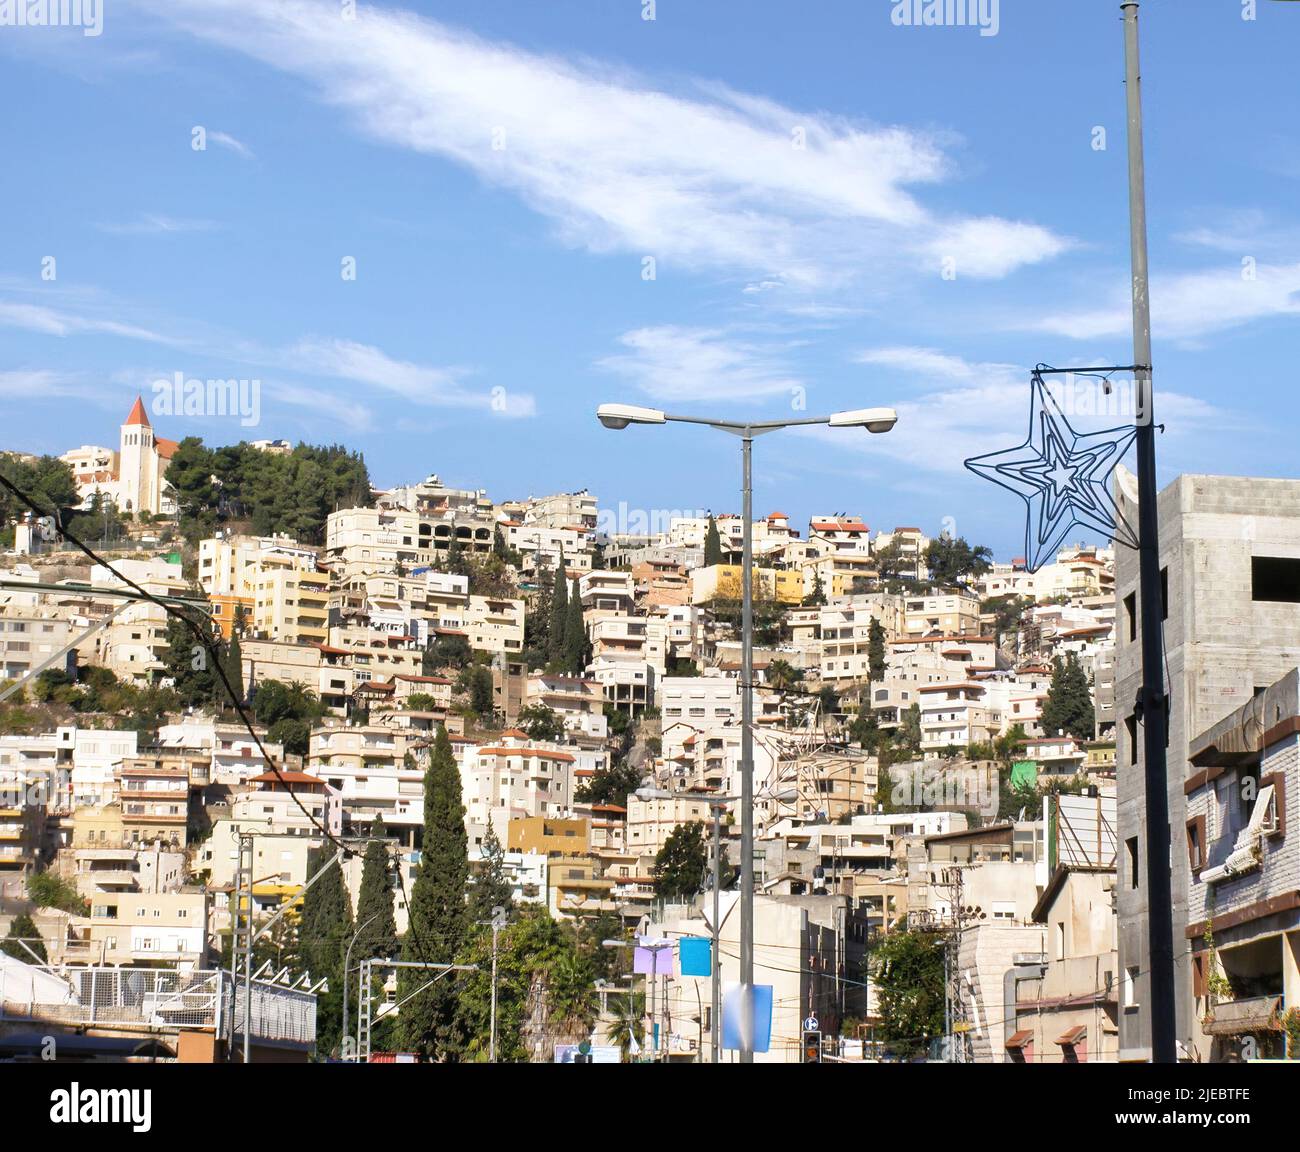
x=323, y=936
x=233, y=666
x=575, y=638
x=376, y=924
x=438, y=918
x=712, y=544
x=559, y=612
x=875, y=651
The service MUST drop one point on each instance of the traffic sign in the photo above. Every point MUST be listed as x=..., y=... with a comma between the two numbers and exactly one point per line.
x=811, y=1025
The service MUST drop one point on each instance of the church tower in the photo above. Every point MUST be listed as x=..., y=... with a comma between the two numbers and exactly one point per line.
x=137, y=468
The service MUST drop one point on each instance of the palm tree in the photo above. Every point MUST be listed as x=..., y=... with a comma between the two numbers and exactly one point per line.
x=629, y=1022
x=783, y=676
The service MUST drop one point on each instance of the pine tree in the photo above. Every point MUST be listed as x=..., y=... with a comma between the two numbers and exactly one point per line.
x=875, y=651
x=438, y=917
x=1068, y=707
x=712, y=544
x=23, y=927
x=376, y=925
x=817, y=597
x=680, y=865
x=559, y=614
x=491, y=888
x=575, y=638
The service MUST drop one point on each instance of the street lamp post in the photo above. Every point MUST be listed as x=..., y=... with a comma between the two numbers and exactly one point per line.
x=877, y=420
x=347, y=967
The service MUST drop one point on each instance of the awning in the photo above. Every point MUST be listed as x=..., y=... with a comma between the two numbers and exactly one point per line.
x=1072, y=1036
x=1020, y=1040
x=1258, y=1014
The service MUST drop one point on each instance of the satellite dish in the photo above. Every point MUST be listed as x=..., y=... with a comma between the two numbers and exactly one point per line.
x=1127, y=483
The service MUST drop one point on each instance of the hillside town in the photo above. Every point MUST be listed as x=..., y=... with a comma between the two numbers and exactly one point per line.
x=249, y=769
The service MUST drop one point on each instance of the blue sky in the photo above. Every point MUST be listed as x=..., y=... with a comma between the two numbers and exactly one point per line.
x=500, y=291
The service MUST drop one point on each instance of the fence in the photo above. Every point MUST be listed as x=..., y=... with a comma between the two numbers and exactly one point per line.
x=164, y=999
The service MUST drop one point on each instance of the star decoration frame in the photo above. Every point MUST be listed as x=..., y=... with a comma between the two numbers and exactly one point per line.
x=1062, y=475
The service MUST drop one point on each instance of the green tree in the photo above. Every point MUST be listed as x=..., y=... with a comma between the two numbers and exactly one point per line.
x=876, y=651
x=491, y=887
x=1068, y=707
x=712, y=544
x=438, y=918
x=541, y=977
x=541, y=722
x=446, y=650
x=783, y=676
x=376, y=924
x=865, y=729
x=952, y=561
x=189, y=662
x=817, y=597
x=680, y=864
x=558, y=631
x=48, y=890
x=575, y=638
x=476, y=682
x=23, y=927
x=609, y=785
x=323, y=933
x=234, y=668
x=907, y=969
x=908, y=737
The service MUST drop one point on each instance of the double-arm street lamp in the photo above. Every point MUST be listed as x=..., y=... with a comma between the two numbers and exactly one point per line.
x=619, y=416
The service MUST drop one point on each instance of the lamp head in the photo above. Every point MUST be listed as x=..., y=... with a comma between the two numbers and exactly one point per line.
x=619, y=416
x=872, y=419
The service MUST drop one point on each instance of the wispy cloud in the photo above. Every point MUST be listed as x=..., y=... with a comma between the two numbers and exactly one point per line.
x=420, y=384
x=151, y=224
x=55, y=322
x=974, y=407
x=227, y=141
x=685, y=365
x=1188, y=305
x=701, y=176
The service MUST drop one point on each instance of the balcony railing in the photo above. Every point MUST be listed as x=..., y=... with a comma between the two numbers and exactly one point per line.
x=163, y=999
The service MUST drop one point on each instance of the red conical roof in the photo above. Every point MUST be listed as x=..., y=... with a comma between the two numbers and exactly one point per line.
x=138, y=414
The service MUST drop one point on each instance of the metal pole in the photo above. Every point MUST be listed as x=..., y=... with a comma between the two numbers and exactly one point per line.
x=347, y=967
x=715, y=1018
x=747, y=762
x=492, y=1038
x=654, y=1017
x=1153, y=702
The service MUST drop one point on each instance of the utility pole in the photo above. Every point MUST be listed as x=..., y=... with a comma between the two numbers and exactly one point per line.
x=498, y=922
x=747, y=756
x=715, y=1012
x=1152, y=704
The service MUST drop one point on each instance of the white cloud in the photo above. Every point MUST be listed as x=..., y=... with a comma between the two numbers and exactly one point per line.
x=989, y=248
x=52, y=322
x=226, y=140
x=152, y=224
x=1188, y=305
x=684, y=365
x=710, y=178
x=419, y=384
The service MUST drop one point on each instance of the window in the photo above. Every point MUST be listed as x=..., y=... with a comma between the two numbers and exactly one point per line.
x=1275, y=579
x=1131, y=844
x=1130, y=989
x=1164, y=593
x=1131, y=728
x=1131, y=615
x=1196, y=843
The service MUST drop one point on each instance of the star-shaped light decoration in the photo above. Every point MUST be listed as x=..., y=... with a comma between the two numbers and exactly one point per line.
x=1062, y=476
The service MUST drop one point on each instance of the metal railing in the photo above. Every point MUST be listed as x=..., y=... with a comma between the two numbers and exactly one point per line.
x=164, y=999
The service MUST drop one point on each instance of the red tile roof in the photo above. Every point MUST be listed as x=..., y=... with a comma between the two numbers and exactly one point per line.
x=137, y=416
